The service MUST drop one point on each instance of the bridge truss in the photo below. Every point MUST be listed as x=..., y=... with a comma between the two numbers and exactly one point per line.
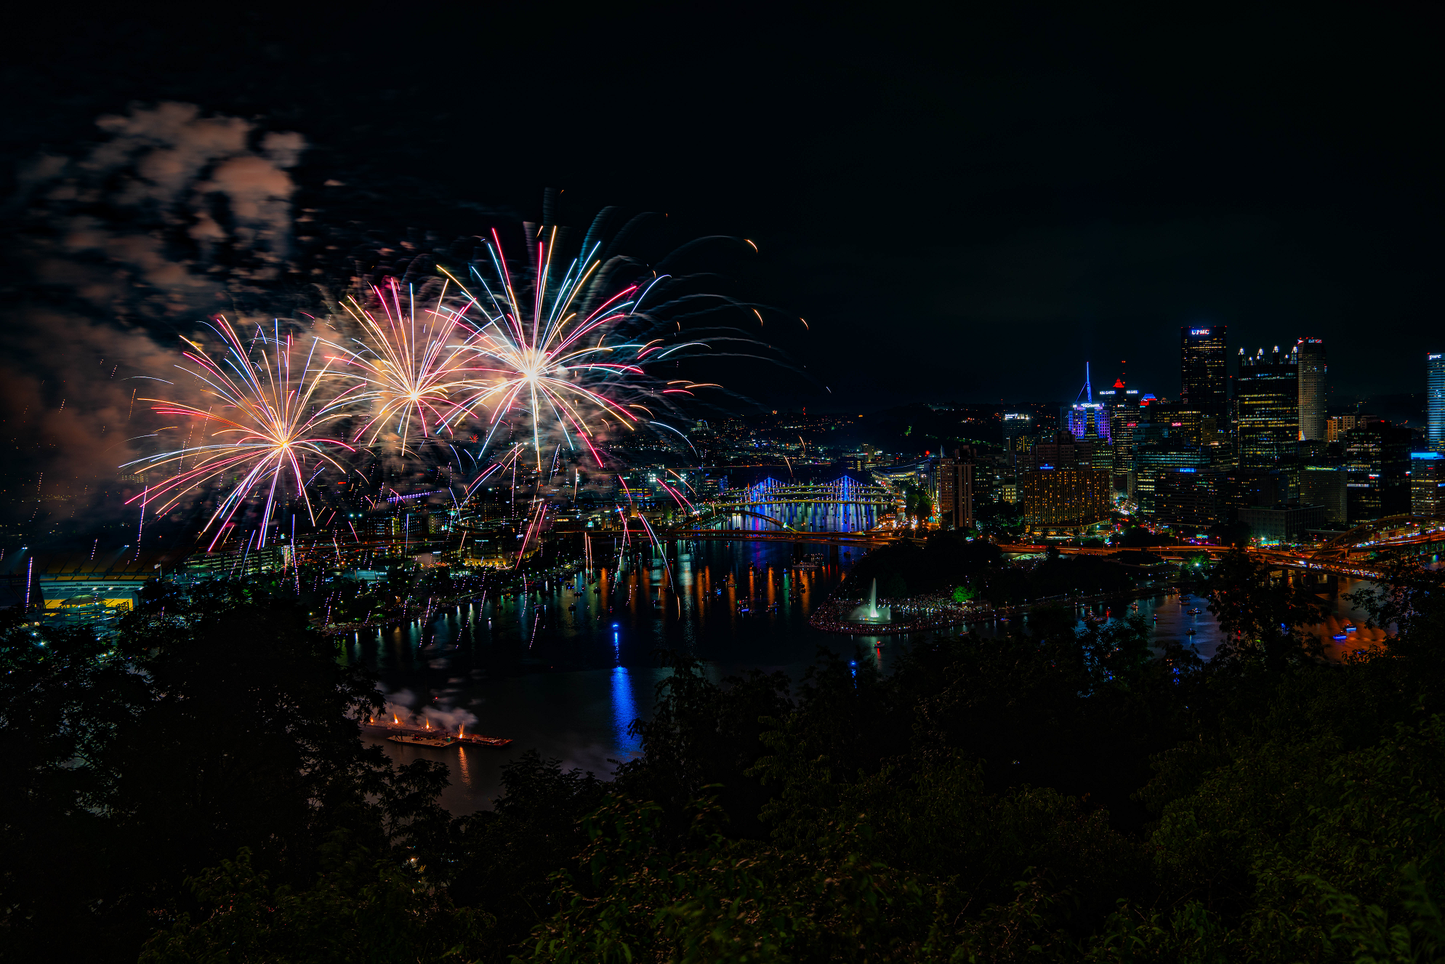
x=843, y=491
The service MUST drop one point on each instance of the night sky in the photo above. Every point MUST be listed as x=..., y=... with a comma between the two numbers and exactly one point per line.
x=964, y=207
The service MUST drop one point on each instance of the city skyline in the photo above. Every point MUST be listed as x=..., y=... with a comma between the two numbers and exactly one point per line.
x=1135, y=186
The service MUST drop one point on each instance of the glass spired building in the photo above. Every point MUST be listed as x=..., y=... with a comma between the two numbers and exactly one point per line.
x=1312, y=371
x=1202, y=370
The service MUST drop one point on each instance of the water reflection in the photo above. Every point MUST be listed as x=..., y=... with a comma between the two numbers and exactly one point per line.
x=806, y=518
x=565, y=666
x=624, y=711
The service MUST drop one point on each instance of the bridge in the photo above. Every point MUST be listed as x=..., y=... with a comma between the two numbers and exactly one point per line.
x=790, y=535
x=840, y=492
x=1356, y=552
x=1392, y=535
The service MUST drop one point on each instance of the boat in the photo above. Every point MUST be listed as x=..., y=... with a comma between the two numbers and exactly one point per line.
x=1350, y=627
x=422, y=740
x=1339, y=636
x=1195, y=612
x=1191, y=631
x=484, y=740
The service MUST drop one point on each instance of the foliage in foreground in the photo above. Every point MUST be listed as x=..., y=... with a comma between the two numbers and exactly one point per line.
x=1057, y=796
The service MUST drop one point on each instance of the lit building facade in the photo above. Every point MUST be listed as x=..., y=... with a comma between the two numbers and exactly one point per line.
x=1061, y=451
x=1187, y=499
x=1312, y=388
x=1087, y=417
x=1160, y=447
x=955, y=490
x=1203, y=374
x=1377, y=461
x=1060, y=497
x=1427, y=484
x=1267, y=395
x=1435, y=400
x=1337, y=425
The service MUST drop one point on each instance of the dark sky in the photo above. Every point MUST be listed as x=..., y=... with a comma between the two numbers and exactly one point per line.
x=963, y=206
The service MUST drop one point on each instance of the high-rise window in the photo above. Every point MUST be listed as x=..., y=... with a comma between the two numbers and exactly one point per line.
x=1435, y=399
x=1312, y=370
x=1267, y=396
x=1202, y=376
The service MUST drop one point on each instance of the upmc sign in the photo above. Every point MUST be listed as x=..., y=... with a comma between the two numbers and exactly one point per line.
x=1199, y=331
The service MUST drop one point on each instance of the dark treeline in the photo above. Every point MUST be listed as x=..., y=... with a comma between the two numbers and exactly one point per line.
x=947, y=561
x=192, y=792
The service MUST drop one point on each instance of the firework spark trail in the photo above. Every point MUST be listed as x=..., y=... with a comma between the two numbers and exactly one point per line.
x=556, y=355
x=536, y=524
x=412, y=371
x=271, y=422
x=550, y=363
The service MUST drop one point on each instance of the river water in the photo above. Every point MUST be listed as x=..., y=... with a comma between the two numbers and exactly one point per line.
x=564, y=669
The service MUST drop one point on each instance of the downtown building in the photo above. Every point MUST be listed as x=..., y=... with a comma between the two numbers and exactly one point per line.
x=1122, y=405
x=1310, y=353
x=1435, y=401
x=1163, y=444
x=1427, y=484
x=1203, y=376
x=1065, y=502
x=1188, y=499
x=1062, y=494
x=1327, y=486
x=1377, y=465
x=955, y=489
x=1267, y=413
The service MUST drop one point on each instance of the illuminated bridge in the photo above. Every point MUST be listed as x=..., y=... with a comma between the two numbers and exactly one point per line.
x=844, y=492
x=841, y=507
x=1394, y=535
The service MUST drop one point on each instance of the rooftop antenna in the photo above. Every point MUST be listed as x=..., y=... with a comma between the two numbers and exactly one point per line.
x=1088, y=390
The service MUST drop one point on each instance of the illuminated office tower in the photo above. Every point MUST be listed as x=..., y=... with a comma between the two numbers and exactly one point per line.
x=1122, y=405
x=1202, y=374
x=955, y=489
x=1427, y=484
x=1267, y=396
x=1377, y=460
x=1337, y=425
x=1088, y=417
x=1435, y=396
x=1312, y=369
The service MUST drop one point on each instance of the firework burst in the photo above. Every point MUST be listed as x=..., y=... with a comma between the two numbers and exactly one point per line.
x=565, y=361
x=269, y=425
x=413, y=370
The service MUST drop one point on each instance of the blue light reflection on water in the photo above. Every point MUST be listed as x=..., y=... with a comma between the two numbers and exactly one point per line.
x=565, y=668
x=624, y=711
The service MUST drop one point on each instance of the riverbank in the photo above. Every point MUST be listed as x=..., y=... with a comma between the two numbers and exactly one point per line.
x=942, y=612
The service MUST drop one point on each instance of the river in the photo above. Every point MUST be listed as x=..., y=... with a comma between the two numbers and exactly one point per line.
x=566, y=668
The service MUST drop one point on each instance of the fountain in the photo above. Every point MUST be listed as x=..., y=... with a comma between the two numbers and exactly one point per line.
x=869, y=612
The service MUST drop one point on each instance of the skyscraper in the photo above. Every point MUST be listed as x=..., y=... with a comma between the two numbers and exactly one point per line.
x=1427, y=483
x=955, y=489
x=1312, y=369
x=1377, y=458
x=1267, y=394
x=1435, y=396
x=1088, y=417
x=1202, y=376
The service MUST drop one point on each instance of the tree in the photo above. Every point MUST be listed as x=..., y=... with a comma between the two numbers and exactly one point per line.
x=358, y=909
x=1260, y=615
x=216, y=719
